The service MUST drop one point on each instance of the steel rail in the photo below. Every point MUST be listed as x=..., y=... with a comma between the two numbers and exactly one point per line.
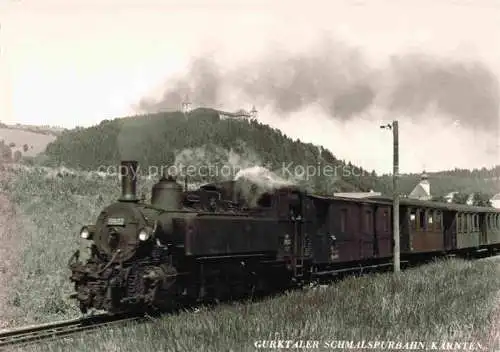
x=56, y=330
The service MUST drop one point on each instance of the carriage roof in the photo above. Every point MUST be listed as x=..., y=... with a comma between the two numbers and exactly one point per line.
x=413, y=203
x=225, y=185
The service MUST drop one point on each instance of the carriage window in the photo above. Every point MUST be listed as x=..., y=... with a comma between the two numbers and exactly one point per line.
x=413, y=219
x=437, y=220
x=476, y=222
x=368, y=221
x=488, y=221
x=386, y=221
x=422, y=216
x=343, y=220
x=459, y=223
x=430, y=220
x=321, y=212
x=467, y=223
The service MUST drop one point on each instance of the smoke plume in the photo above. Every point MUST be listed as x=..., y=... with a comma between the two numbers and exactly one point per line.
x=251, y=183
x=466, y=90
x=338, y=78
x=202, y=84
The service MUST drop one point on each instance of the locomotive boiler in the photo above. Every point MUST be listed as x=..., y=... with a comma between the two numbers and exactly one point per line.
x=182, y=247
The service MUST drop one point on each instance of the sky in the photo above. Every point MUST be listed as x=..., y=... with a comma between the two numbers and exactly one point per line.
x=327, y=72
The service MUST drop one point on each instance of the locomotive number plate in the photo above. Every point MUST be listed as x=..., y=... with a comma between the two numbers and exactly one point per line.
x=116, y=221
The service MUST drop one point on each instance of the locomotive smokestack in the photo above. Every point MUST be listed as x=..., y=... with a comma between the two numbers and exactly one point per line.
x=128, y=174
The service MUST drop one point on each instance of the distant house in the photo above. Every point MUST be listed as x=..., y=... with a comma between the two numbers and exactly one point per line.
x=422, y=191
x=449, y=197
x=358, y=195
x=495, y=201
x=470, y=199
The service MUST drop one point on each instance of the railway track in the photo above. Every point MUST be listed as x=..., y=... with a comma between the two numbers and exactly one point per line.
x=56, y=330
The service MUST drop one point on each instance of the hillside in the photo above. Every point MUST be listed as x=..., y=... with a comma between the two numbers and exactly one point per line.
x=199, y=139
x=202, y=138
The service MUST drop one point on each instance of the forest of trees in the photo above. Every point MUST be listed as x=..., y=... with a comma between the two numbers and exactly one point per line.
x=154, y=139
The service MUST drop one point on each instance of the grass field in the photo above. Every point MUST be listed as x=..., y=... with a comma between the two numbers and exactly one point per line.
x=445, y=301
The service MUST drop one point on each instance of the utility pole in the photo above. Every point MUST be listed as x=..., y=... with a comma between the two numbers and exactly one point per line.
x=395, y=193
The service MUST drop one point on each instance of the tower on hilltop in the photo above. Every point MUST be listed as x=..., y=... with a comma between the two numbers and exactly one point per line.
x=253, y=112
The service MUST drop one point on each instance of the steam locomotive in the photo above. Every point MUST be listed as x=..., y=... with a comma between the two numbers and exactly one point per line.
x=233, y=239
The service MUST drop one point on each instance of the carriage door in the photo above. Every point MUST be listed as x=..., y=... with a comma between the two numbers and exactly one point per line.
x=449, y=229
x=296, y=211
x=482, y=229
x=292, y=217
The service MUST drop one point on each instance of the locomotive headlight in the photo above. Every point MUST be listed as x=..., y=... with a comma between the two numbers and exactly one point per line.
x=87, y=232
x=145, y=233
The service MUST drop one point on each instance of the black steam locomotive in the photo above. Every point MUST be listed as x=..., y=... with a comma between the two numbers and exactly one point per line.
x=235, y=238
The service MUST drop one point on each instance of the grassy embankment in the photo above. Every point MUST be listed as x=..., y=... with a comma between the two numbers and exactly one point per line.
x=450, y=301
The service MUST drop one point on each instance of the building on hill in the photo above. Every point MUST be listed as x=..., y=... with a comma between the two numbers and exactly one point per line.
x=422, y=191
x=495, y=201
x=240, y=114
